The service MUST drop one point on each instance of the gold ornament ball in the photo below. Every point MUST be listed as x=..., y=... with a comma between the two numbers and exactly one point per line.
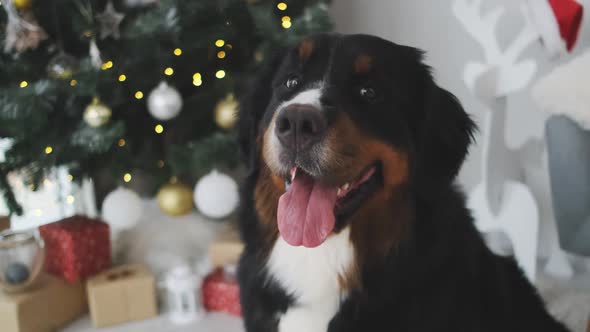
x=97, y=114
x=23, y=4
x=226, y=112
x=175, y=199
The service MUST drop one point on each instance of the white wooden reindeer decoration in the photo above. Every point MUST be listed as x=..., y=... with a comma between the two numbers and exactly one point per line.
x=501, y=202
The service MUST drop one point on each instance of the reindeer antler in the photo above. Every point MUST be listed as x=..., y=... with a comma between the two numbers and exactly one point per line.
x=500, y=73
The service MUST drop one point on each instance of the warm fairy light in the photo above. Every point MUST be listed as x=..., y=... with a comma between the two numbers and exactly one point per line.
x=70, y=199
x=47, y=183
x=169, y=71
x=219, y=42
x=197, y=79
x=70, y=177
x=286, y=18
x=177, y=52
x=73, y=83
x=121, y=142
x=122, y=78
x=282, y=6
x=221, y=54
x=127, y=177
x=160, y=163
x=159, y=129
x=48, y=150
x=138, y=95
x=38, y=212
x=220, y=73
x=286, y=24
x=24, y=84
x=107, y=65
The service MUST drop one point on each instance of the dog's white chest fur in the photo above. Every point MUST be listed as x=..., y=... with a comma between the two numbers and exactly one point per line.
x=311, y=276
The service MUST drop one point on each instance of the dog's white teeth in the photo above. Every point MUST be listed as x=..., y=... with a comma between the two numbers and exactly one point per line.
x=293, y=173
x=339, y=192
x=345, y=186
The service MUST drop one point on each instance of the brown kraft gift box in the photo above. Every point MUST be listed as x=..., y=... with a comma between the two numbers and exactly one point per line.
x=47, y=307
x=123, y=294
x=4, y=223
x=226, y=248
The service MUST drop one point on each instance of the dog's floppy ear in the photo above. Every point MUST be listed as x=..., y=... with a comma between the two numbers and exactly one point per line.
x=252, y=107
x=444, y=138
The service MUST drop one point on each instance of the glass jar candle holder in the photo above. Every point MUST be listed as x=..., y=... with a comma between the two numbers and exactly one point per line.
x=22, y=255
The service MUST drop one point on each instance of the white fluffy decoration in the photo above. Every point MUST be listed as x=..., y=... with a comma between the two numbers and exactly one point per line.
x=121, y=209
x=216, y=195
x=566, y=90
x=164, y=242
x=164, y=102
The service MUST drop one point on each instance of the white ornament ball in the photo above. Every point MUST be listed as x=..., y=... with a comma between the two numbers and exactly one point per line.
x=164, y=102
x=121, y=209
x=216, y=195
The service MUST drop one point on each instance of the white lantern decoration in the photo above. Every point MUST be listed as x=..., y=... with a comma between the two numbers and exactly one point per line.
x=183, y=288
x=216, y=195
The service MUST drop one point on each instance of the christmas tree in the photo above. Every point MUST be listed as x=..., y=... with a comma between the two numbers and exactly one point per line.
x=111, y=89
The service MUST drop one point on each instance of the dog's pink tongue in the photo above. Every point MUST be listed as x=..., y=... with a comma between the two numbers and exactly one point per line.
x=306, y=212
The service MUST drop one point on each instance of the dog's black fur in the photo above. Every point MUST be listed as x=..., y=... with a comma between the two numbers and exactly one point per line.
x=439, y=276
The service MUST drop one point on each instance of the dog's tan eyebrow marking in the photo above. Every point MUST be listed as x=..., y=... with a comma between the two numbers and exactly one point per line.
x=362, y=64
x=305, y=49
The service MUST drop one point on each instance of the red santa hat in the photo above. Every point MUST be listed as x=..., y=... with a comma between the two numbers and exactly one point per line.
x=558, y=23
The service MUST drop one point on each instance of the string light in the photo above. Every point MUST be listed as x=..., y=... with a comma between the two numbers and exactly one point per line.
x=47, y=182
x=220, y=73
x=282, y=6
x=221, y=54
x=121, y=142
x=169, y=71
x=138, y=95
x=73, y=83
x=70, y=177
x=70, y=199
x=197, y=79
x=286, y=18
x=178, y=52
x=160, y=163
x=122, y=78
x=219, y=42
x=107, y=65
x=24, y=84
x=48, y=150
x=286, y=24
x=127, y=177
x=159, y=129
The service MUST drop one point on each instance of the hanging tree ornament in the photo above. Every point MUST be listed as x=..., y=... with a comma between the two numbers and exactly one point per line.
x=23, y=4
x=175, y=198
x=109, y=21
x=97, y=114
x=94, y=53
x=226, y=112
x=122, y=209
x=22, y=30
x=62, y=66
x=164, y=102
x=216, y=195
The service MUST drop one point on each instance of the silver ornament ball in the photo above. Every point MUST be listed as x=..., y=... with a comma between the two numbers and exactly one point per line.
x=164, y=102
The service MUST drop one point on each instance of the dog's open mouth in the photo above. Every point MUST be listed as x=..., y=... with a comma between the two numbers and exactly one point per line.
x=308, y=210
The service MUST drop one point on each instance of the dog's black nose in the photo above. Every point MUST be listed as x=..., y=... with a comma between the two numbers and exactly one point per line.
x=298, y=126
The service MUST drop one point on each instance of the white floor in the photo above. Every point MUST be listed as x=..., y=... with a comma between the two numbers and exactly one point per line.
x=214, y=322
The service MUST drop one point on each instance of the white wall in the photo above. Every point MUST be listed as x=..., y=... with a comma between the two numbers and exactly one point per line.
x=430, y=25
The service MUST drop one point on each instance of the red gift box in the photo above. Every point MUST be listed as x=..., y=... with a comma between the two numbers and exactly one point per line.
x=221, y=292
x=76, y=248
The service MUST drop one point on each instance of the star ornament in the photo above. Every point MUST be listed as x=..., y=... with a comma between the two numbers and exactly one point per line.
x=109, y=21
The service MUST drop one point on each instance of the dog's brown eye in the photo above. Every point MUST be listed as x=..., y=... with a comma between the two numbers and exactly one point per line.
x=367, y=93
x=292, y=82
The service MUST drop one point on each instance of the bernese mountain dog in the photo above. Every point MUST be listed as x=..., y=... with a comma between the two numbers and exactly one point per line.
x=350, y=216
